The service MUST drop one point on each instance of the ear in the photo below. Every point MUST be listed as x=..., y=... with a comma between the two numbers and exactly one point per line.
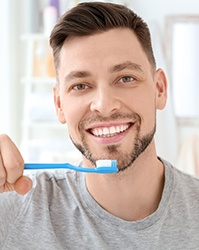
x=161, y=89
x=58, y=105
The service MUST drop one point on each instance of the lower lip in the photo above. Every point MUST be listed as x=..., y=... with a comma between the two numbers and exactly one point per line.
x=112, y=139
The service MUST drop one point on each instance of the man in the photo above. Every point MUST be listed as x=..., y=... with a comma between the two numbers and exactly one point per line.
x=108, y=90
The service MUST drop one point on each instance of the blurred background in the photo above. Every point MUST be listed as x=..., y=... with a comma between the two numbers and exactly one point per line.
x=27, y=111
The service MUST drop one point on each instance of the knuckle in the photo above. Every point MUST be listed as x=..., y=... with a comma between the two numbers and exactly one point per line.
x=14, y=171
x=2, y=178
x=17, y=165
x=4, y=137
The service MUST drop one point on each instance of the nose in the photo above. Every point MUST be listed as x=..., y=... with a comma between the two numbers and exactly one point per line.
x=105, y=102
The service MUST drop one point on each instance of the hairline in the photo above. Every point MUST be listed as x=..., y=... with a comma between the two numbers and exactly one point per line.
x=70, y=37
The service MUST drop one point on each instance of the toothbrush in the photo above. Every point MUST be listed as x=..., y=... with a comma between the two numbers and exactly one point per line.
x=102, y=167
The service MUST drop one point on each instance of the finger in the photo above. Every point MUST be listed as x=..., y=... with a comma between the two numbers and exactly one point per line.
x=12, y=160
x=23, y=185
x=2, y=173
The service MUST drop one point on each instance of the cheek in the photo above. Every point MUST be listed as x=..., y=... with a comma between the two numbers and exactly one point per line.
x=146, y=109
x=141, y=102
x=73, y=114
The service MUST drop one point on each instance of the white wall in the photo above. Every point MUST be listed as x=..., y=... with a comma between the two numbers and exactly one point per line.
x=5, y=105
x=9, y=64
x=158, y=9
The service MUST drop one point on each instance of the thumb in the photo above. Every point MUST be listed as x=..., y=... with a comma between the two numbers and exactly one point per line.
x=23, y=185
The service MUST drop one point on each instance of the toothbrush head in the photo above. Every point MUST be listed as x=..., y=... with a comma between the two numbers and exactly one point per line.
x=106, y=166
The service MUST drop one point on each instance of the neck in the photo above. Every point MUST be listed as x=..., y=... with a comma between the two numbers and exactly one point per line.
x=130, y=195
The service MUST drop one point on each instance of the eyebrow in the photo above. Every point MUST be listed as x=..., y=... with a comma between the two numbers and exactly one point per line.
x=127, y=65
x=76, y=74
x=116, y=68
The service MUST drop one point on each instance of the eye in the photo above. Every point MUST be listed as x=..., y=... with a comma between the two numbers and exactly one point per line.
x=80, y=86
x=126, y=79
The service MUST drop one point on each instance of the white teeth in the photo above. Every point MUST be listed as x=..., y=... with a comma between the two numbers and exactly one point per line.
x=106, y=131
x=118, y=129
x=109, y=131
x=100, y=132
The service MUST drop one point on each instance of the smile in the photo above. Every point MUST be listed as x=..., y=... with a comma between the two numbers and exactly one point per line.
x=109, y=131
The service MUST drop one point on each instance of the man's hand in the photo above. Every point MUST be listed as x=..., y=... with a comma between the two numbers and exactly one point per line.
x=11, y=168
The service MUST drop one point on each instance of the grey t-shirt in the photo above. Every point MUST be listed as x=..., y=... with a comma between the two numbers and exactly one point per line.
x=59, y=213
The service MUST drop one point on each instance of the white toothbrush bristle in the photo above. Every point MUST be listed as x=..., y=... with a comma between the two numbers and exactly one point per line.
x=103, y=163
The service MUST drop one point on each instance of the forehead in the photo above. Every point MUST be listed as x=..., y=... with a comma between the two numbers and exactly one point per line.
x=103, y=48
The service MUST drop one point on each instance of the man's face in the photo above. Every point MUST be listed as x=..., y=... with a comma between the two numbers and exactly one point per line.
x=108, y=96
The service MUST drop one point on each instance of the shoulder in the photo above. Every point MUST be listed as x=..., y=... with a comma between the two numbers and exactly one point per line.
x=187, y=184
x=184, y=184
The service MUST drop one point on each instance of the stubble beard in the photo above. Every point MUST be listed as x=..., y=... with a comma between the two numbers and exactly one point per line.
x=125, y=159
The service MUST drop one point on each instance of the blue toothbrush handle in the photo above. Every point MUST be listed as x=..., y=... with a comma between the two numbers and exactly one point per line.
x=48, y=166
x=102, y=170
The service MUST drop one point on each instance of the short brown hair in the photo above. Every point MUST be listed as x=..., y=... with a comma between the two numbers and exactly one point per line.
x=92, y=17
